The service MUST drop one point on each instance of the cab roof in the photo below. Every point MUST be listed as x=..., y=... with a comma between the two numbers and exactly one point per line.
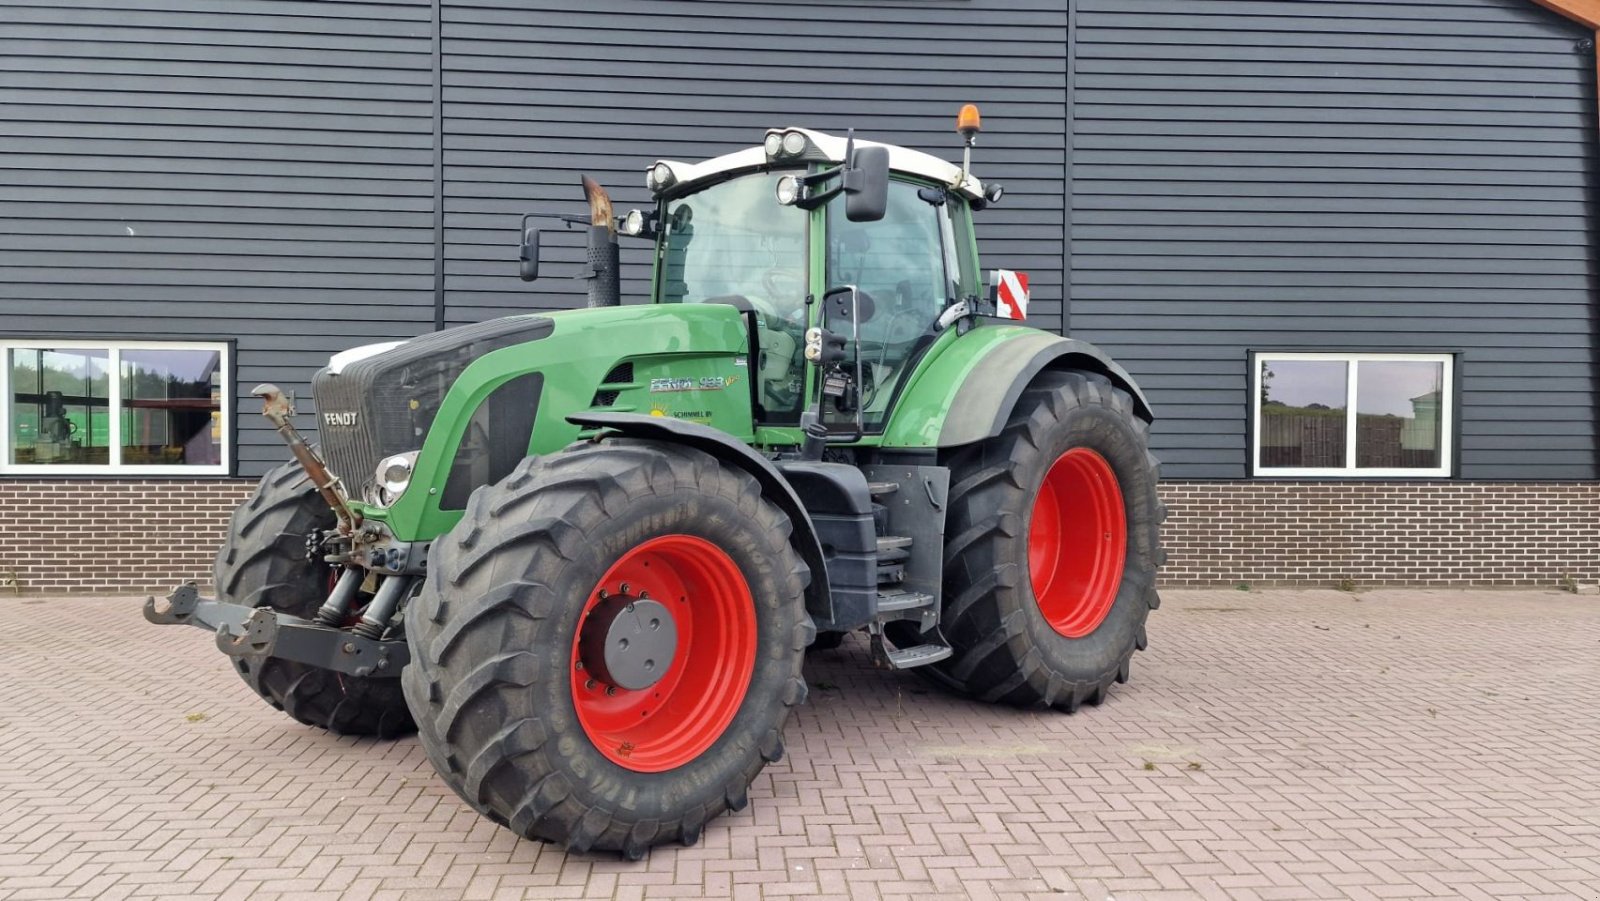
x=821, y=147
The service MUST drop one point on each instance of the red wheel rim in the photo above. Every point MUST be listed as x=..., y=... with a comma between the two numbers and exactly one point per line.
x=1077, y=542
x=672, y=722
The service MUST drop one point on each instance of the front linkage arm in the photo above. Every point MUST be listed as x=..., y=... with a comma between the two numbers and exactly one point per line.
x=279, y=411
x=261, y=632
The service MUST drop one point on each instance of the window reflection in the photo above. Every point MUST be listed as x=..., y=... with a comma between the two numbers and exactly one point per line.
x=60, y=406
x=1399, y=418
x=1303, y=417
x=171, y=407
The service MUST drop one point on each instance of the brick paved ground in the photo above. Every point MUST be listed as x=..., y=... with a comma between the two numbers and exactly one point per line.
x=1273, y=745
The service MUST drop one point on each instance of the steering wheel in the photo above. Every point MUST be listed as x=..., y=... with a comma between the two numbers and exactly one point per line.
x=783, y=283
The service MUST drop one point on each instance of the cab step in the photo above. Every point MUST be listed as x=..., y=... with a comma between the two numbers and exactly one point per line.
x=917, y=655
x=901, y=600
x=892, y=542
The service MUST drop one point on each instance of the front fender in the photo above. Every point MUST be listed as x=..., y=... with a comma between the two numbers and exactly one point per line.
x=819, y=600
x=966, y=392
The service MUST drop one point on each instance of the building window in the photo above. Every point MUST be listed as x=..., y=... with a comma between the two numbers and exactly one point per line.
x=1365, y=415
x=82, y=407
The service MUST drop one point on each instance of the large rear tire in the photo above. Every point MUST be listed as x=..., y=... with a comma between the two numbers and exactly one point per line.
x=1051, y=549
x=262, y=563
x=523, y=711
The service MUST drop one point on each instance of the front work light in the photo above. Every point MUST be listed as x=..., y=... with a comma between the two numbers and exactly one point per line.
x=788, y=190
x=633, y=223
x=659, y=177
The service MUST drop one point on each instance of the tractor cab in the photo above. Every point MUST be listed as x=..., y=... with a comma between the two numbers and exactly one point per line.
x=778, y=229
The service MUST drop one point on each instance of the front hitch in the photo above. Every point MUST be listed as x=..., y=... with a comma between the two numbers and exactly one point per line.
x=259, y=633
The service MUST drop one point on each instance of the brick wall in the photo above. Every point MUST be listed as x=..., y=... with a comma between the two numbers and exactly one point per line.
x=1382, y=533
x=126, y=536
x=132, y=536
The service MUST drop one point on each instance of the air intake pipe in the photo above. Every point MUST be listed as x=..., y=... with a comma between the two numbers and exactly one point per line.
x=604, y=272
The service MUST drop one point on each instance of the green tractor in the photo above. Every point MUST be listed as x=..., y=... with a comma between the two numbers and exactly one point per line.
x=584, y=553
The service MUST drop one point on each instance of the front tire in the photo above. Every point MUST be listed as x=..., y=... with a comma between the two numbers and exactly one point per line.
x=1052, y=544
x=509, y=676
x=262, y=563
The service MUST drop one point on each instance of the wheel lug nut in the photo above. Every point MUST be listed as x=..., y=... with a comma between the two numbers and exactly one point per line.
x=589, y=684
x=611, y=689
x=624, y=588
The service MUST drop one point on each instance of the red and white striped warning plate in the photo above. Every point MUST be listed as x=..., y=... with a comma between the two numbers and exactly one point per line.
x=1011, y=296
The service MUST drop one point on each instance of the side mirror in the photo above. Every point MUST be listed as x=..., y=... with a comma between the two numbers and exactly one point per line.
x=866, y=184
x=529, y=254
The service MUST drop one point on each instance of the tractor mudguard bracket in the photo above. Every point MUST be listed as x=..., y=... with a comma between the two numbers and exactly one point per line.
x=258, y=633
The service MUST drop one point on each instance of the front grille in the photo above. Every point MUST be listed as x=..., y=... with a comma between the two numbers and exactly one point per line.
x=396, y=394
x=350, y=452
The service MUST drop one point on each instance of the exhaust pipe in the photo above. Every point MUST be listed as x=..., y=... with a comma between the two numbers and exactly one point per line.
x=604, y=273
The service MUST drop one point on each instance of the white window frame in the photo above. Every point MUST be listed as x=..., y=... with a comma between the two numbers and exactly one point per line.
x=1447, y=404
x=115, y=467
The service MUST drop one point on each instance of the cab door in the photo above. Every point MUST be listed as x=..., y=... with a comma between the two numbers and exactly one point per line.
x=908, y=270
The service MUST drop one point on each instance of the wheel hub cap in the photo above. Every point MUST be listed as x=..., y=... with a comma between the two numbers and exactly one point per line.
x=628, y=642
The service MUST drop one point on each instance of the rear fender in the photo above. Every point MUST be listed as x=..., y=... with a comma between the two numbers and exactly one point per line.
x=967, y=392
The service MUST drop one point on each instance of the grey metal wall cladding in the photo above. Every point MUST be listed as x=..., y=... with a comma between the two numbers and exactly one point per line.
x=538, y=91
x=250, y=169
x=1351, y=176
x=1244, y=175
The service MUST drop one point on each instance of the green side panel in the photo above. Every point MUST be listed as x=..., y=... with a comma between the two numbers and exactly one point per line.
x=955, y=362
x=692, y=355
x=711, y=389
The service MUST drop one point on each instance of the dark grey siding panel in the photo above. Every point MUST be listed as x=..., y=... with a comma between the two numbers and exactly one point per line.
x=259, y=171
x=1345, y=176
x=538, y=91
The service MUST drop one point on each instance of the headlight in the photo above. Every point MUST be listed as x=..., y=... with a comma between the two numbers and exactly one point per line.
x=393, y=475
x=794, y=143
x=659, y=177
x=633, y=223
x=788, y=190
x=773, y=143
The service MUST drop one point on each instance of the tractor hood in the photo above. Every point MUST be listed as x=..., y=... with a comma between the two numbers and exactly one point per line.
x=474, y=399
x=381, y=400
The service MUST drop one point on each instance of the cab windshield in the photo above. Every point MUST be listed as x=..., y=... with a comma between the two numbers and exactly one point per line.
x=734, y=241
